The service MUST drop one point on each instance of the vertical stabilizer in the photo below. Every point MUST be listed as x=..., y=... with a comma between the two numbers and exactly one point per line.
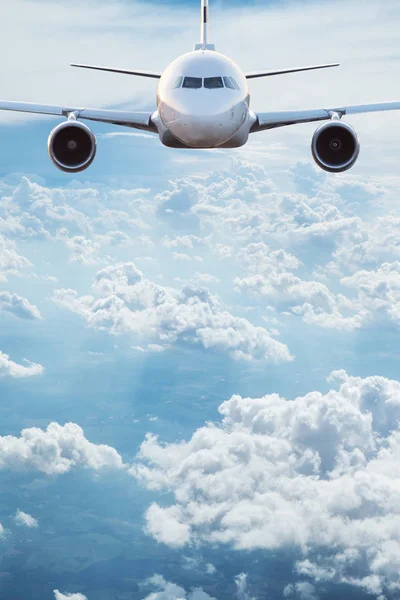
x=204, y=23
x=204, y=45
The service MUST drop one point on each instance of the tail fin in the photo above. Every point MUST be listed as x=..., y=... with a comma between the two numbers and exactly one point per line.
x=204, y=45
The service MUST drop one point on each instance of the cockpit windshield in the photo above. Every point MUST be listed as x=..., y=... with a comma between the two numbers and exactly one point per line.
x=192, y=82
x=213, y=82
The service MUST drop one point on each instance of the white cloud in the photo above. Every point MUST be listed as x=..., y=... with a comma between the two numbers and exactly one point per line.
x=9, y=368
x=56, y=450
x=302, y=590
x=18, y=306
x=378, y=292
x=311, y=299
x=165, y=590
x=139, y=306
x=319, y=474
x=10, y=260
x=83, y=250
x=24, y=519
x=197, y=563
x=259, y=258
x=242, y=587
x=77, y=596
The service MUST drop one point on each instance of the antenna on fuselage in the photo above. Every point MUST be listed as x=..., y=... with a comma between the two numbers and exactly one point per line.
x=204, y=45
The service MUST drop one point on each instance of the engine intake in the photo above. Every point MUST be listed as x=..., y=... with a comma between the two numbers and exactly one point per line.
x=72, y=146
x=335, y=146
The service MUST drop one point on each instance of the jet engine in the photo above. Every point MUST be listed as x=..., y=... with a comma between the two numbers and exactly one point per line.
x=335, y=146
x=72, y=146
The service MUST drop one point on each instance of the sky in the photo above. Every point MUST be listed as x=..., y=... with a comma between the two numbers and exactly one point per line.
x=199, y=369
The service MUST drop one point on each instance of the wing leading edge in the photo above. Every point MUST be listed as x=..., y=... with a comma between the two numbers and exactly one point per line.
x=291, y=117
x=285, y=71
x=123, y=71
x=137, y=120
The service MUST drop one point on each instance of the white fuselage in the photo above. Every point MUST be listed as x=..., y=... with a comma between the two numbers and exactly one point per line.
x=203, y=102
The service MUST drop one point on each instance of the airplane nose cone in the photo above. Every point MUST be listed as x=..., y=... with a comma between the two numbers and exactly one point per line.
x=203, y=131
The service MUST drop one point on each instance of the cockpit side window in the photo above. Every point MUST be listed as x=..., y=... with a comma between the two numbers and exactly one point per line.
x=177, y=83
x=234, y=83
x=228, y=83
x=192, y=82
x=213, y=82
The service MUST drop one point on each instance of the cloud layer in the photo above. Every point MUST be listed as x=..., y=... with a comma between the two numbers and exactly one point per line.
x=318, y=473
x=132, y=304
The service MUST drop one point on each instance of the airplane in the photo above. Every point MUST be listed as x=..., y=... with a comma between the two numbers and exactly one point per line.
x=203, y=101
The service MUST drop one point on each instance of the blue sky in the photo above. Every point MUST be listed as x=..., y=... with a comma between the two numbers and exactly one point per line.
x=199, y=390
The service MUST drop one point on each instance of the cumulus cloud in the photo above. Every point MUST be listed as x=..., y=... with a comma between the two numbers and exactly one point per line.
x=18, y=306
x=24, y=519
x=378, y=292
x=259, y=258
x=165, y=590
x=302, y=590
x=77, y=596
x=319, y=474
x=132, y=304
x=74, y=217
x=56, y=450
x=261, y=233
x=9, y=368
x=311, y=299
x=10, y=260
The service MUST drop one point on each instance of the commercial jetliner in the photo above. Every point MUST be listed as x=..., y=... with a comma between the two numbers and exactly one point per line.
x=203, y=101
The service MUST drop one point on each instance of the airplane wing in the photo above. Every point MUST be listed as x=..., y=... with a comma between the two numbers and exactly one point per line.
x=271, y=120
x=284, y=71
x=124, y=71
x=137, y=120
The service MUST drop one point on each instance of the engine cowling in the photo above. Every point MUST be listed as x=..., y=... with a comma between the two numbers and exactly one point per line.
x=72, y=146
x=335, y=146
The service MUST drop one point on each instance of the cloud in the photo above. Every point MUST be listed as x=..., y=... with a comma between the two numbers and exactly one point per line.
x=166, y=590
x=24, y=519
x=10, y=260
x=318, y=474
x=303, y=590
x=18, y=306
x=77, y=596
x=9, y=368
x=197, y=563
x=311, y=299
x=56, y=450
x=378, y=292
x=259, y=258
x=242, y=587
x=133, y=304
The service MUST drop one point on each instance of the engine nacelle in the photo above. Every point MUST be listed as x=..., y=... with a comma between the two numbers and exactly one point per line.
x=72, y=146
x=335, y=146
